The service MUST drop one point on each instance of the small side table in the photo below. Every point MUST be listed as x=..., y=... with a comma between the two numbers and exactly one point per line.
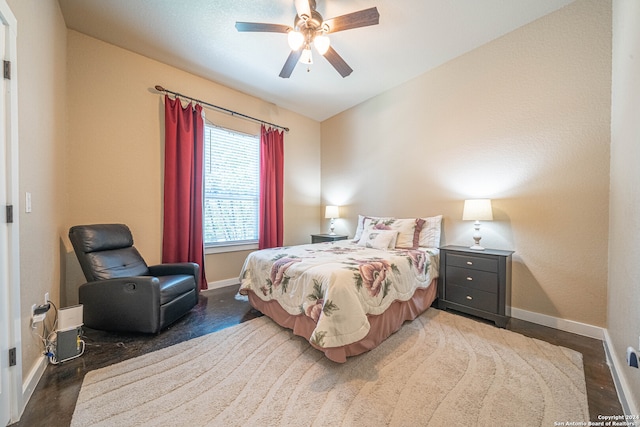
x=476, y=282
x=319, y=238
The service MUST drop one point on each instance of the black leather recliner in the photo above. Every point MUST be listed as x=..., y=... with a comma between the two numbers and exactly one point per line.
x=123, y=293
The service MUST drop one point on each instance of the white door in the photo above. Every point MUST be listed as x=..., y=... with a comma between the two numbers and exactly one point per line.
x=9, y=249
x=5, y=411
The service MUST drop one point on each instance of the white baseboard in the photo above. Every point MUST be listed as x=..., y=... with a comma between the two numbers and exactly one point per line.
x=557, y=323
x=31, y=382
x=622, y=387
x=222, y=283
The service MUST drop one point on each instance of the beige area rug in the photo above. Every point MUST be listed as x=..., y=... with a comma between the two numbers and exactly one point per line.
x=439, y=370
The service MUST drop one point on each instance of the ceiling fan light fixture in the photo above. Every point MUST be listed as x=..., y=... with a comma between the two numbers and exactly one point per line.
x=322, y=44
x=309, y=28
x=295, y=39
x=306, y=57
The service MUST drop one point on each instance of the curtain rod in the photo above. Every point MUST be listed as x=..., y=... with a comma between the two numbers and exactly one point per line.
x=226, y=110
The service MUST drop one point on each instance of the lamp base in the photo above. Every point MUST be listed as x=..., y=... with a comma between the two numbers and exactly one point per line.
x=476, y=238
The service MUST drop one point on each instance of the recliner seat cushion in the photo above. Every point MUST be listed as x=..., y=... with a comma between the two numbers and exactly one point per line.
x=174, y=286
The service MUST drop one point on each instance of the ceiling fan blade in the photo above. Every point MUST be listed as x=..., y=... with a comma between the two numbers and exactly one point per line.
x=362, y=18
x=303, y=7
x=262, y=27
x=290, y=63
x=338, y=63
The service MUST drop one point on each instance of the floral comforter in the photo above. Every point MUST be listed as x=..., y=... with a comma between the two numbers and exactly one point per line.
x=337, y=284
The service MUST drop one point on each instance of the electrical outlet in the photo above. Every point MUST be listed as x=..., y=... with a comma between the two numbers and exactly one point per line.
x=632, y=357
x=36, y=318
x=46, y=297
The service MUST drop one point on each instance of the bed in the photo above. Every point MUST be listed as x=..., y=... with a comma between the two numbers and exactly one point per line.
x=346, y=297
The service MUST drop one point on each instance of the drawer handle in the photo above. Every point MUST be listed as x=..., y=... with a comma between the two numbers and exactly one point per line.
x=469, y=278
x=469, y=263
x=469, y=297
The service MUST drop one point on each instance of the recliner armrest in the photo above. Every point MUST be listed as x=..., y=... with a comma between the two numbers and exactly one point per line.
x=190, y=268
x=119, y=281
x=128, y=303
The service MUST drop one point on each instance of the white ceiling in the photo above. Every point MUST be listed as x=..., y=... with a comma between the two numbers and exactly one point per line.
x=199, y=36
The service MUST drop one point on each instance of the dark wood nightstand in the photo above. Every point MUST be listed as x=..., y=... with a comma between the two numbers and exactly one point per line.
x=318, y=238
x=476, y=282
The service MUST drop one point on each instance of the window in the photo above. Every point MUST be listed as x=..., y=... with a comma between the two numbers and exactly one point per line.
x=231, y=187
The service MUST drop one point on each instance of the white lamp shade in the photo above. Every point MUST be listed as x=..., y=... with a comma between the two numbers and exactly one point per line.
x=322, y=44
x=477, y=209
x=331, y=212
x=295, y=39
x=306, y=57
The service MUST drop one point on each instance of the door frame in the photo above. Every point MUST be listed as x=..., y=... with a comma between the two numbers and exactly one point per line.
x=12, y=257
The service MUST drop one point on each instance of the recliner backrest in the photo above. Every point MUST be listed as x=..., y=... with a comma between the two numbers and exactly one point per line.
x=106, y=251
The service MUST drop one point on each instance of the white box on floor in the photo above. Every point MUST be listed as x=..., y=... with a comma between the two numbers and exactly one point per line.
x=70, y=318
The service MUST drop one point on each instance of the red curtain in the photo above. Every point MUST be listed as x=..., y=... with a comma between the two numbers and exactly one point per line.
x=183, y=239
x=271, y=187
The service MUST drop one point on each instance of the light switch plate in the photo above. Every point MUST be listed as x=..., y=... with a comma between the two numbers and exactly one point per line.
x=27, y=202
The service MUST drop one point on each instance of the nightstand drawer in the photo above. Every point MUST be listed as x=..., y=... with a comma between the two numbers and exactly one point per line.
x=474, y=298
x=474, y=262
x=474, y=279
x=319, y=238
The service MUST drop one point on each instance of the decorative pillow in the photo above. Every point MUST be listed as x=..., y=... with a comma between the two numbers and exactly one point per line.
x=377, y=239
x=408, y=232
x=377, y=223
x=360, y=227
x=416, y=235
x=430, y=234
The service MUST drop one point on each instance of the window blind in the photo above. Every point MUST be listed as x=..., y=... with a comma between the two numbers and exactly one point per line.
x=231, y=190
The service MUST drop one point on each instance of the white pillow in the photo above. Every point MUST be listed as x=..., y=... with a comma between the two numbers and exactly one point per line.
x=360, y=227
x=378, y=239
x=430, y=234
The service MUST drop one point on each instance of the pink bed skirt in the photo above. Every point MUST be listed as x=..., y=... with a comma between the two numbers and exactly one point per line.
x=382, y=326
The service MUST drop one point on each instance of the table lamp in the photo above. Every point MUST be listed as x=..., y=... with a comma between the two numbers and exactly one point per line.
x=332, y=212
x=477, y=210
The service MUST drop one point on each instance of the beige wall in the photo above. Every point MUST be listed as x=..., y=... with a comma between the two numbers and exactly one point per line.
x=115, y=148
x=523, y=120
x=90, y=150
x=624, y=269
x=41, y=73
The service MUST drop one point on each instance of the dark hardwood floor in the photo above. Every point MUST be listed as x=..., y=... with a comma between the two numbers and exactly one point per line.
x=54, y=399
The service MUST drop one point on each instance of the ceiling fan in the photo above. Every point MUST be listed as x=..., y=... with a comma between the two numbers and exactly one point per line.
x=309, y=28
